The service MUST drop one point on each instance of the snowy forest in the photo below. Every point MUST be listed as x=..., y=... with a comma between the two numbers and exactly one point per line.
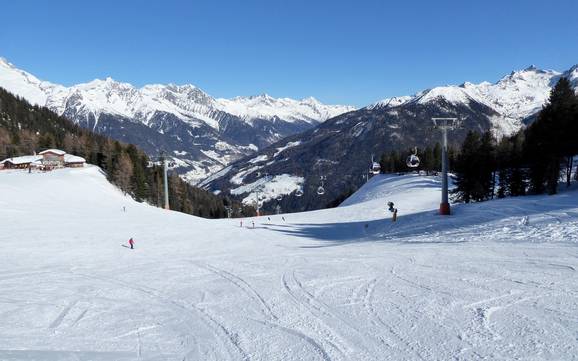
x=533, y=161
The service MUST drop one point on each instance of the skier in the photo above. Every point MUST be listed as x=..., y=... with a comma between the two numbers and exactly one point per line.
x=253, y=223
x=392, y=210
x=241, y=224
x=390, y=205
x=131, y=243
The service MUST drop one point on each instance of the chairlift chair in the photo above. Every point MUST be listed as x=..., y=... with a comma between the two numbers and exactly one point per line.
x=413, y=160
x=321, y=189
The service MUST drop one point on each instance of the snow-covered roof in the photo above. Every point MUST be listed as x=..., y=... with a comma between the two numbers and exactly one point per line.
x=69, y=158
x=23, y=159
x=55, y=151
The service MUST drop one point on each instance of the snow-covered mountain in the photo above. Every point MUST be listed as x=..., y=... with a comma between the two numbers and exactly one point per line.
x=514, y=98
x=341, y=147
x=265, y=107
x=202, y=133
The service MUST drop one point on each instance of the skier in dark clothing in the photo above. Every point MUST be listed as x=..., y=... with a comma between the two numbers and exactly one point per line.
x=131, y=243
x=392, y=210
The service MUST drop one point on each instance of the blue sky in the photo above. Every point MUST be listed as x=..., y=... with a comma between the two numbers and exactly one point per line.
x=348, y=52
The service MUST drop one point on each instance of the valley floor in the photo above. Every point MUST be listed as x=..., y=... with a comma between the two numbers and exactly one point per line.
x=496, y=280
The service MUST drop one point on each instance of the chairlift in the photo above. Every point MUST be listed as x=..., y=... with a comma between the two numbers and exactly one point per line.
x=279, y=198
x=299, y=193
x=321, y=189
x=374, y=168
x=413, y=160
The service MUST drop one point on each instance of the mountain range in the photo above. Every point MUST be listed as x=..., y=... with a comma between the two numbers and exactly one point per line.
x=340, y=149
x=201, y=134
x=276, y=146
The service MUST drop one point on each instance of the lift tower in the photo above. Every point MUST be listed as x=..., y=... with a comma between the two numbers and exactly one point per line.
x=445, y=124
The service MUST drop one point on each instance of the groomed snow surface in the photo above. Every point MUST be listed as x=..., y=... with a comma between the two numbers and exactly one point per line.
x=496, y=280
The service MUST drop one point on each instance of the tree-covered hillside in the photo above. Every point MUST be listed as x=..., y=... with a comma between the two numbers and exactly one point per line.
x=25, y=129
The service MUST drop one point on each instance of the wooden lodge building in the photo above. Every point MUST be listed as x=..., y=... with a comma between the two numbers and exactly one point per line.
x=46, y=160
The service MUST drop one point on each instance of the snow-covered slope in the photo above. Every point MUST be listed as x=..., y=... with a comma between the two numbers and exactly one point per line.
x=25, y=84
x=338, y=284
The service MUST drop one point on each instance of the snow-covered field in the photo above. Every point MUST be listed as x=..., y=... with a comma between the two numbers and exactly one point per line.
x=496, y=280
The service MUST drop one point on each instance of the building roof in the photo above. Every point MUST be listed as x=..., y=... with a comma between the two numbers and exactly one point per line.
x=55, y=151
x=23, y=160
x=69, y=158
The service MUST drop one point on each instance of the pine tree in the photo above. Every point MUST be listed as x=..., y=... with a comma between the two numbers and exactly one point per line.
x=474, y=168
x=549, y=139
x=465, y=169
x=504, y=166
x=487, y=165
x=123, y=173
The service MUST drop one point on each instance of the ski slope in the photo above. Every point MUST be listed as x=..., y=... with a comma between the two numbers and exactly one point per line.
x=497, y=280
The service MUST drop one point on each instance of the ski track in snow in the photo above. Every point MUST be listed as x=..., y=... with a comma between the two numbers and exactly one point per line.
x=495, y=281
x=221, y=332
x=245, y=287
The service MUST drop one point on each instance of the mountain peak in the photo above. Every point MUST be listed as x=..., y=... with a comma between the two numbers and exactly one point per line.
x=573, y=71
x=531, y=68
x=310, y=100
x=5, y=62
x=390, y=102
x=101, y=82
x=451, y=94
x=264, y=96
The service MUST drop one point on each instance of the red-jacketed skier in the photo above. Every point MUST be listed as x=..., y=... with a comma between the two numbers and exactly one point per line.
x=131, y=243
